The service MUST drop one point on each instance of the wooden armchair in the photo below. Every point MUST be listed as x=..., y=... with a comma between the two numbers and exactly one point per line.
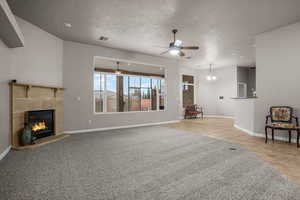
x=192, y=111
x=282, y=119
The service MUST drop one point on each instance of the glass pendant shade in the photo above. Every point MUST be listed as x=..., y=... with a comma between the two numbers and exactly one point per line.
x=211, y=76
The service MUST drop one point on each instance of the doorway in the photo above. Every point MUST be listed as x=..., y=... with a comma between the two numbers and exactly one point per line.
x=187, y=90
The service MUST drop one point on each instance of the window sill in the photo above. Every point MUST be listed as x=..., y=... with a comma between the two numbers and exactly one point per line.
x=108, y=113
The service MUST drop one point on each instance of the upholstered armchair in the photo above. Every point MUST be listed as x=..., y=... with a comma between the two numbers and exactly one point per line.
x=282, y=119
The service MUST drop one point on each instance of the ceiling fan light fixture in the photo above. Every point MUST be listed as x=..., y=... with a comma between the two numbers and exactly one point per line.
x=118, y=71
x=211, y=76
x=174, y=51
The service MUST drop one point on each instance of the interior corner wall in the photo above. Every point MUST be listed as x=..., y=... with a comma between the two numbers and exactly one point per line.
x=210, y=91
x=78, y=79
x=5, y=76
x=277, y=72
x=38, y=62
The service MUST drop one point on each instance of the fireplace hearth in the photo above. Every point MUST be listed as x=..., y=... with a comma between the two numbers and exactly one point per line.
x=41, y=123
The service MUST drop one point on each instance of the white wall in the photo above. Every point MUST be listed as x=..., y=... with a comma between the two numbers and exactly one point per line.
x=244, y=114
x=78, y=79
x=39, y=62
x=209, y=92
x=277, y=72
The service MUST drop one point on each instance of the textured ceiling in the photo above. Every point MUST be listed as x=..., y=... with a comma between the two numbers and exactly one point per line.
x=224, y=29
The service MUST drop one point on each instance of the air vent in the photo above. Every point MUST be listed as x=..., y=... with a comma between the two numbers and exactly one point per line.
x=103, y=38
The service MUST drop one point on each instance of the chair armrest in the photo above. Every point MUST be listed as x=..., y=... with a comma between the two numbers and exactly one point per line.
x=297, y=121
x=199, y=108
x=267, y=118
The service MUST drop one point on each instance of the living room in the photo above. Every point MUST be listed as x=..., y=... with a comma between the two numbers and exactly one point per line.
x=94, y=97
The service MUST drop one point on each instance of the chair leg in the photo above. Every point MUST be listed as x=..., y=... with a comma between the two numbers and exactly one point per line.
x=298, y=135
x=273, y=135
x=266, y=131
x=290, y=136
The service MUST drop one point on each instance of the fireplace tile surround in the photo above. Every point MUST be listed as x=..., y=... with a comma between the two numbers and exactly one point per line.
x=29, y=98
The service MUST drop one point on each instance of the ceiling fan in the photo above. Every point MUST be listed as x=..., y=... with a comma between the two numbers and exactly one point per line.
x=175, y=47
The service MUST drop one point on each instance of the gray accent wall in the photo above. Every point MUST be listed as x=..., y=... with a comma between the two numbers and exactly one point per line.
x=278, y=71
x=78, y=81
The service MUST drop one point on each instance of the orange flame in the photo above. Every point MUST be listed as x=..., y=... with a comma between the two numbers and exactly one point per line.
x=39, y=126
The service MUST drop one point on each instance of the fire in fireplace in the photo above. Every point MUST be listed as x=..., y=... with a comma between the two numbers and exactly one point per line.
x=41, y=123
x=39, y=126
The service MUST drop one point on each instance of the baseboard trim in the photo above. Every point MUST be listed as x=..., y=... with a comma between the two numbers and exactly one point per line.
x=120, y=127
x=5, y=152
x=213, y=116
x=219, y=116
x=263, y=135
x=244, y=130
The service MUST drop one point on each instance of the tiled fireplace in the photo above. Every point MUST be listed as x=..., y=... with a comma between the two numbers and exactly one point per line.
x=40, y=107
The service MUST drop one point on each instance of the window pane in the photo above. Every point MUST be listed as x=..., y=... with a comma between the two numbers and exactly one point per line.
x=187, y=79
x=146, y=100
x=155, y=83
x=146, y=82
x=161, y=102
x=98, y=92
x=98, y=101
x=162, y=86
x=188, y=95
x=96, y=81
x=134, y=81
x=134, y=93
x=111, y=93
x=125, y=93
x=134, y=99
x=154, y=99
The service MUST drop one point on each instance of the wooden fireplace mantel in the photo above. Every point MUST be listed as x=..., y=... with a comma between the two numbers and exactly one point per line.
x=34, y=85
x=29, y=97
x=29, y=86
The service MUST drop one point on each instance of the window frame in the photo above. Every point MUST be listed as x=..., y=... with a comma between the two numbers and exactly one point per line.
x=147, y=111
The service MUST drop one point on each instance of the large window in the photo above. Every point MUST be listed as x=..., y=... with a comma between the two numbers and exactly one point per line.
x=126, y=93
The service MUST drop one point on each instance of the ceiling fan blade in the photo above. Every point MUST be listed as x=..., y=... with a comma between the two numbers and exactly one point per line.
x=161, y=47
x=190, y=47
x=164, y=52
x=181, y=54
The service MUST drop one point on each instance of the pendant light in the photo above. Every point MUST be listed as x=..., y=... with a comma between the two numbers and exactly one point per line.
x=211, y=76
x=118, y=71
